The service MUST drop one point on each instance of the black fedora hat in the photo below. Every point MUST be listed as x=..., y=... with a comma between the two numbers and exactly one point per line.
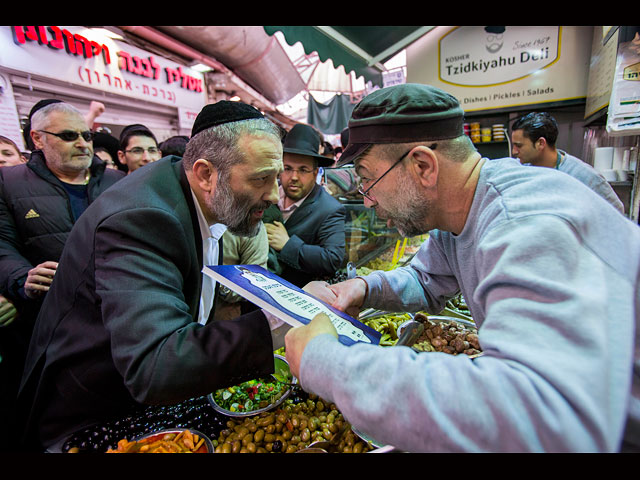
x=304, y=140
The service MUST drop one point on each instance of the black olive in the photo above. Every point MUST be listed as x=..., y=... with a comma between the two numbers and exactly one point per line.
x=277, y=446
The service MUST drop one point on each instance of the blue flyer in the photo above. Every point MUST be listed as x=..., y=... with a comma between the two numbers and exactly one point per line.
x=288, y=302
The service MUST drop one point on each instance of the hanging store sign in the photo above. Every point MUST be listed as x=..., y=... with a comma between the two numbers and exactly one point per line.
x=85, y=57
x=500, y=67
x=499, y=55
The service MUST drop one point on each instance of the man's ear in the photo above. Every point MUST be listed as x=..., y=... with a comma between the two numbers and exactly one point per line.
x=425, y=165
x=36, y=137
x=122, y=157
x=205, y=175
x=541, y=143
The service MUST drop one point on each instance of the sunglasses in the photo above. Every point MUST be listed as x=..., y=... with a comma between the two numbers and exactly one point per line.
x=71, y=136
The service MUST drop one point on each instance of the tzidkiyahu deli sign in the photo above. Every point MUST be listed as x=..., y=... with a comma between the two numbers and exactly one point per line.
x=489, y=56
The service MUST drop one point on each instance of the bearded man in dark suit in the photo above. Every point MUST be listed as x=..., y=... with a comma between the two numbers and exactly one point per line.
x=125, y=322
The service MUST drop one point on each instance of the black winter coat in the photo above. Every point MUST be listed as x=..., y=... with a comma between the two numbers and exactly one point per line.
x=36, y=217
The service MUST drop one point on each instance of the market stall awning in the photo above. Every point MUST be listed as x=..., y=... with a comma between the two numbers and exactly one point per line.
x=361, y=49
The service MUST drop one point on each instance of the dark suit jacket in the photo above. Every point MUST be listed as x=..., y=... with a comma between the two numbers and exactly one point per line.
x=316, y=246
x=119, y=325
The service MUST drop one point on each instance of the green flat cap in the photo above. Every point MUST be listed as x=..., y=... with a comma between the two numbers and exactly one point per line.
x=408, y=112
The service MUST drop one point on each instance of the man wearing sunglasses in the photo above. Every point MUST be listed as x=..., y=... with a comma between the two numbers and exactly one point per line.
x=138, y=147
x=129, y=317
x=550, y=272
x=40, y=202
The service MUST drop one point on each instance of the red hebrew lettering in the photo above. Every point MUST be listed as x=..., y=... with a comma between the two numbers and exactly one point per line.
x=127, y=85
x=97, y=76
x=108, y=78
x=170, y=74
x=184, y=77
x=18, y=35
x=118, y=80
x=88, y=74
x=69, y=42
x=31, y=33
x=58, y=41
x=83, y=42
x=42, y=36
x=147, y=68
x=155, y=67
x=145, y=89
x=155, y=91
x=125, y=61
x=138, y=70
x=98, y=49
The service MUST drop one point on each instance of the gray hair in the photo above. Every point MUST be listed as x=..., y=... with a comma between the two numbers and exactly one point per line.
x=40, y=117
x=219, y=144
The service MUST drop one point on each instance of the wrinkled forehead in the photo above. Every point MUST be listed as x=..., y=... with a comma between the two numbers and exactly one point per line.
x=262, y=154
x=369, y=160
x=65, y=121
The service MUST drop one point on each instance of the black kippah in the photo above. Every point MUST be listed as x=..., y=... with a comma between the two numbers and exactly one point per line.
x=224, y=111
x=41, y=104
x=136, y=127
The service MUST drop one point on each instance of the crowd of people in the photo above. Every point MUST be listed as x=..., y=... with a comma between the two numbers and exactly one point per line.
x=104, y=307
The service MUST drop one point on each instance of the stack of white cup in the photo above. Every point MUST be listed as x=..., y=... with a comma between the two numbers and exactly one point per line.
x=612, y=163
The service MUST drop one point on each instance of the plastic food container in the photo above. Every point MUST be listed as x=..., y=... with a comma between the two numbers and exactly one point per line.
x=202, y=442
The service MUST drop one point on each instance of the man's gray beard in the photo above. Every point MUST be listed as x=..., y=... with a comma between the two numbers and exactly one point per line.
x=408, y=216
x=233, y=210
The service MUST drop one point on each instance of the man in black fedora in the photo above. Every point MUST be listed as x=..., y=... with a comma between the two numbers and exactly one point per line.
x=307, y=239
x=127, y=320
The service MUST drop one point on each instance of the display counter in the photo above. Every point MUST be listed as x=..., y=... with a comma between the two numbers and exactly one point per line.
x=288, y=428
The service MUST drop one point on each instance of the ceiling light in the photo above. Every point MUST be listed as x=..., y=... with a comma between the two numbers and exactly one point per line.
x=107, y=33
x=202, y=68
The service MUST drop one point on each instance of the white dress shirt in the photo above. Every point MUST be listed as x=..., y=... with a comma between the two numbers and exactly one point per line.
x=210, y=256
x=286, y=212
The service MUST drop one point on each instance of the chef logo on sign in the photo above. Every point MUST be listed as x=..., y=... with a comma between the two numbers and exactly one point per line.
x=494, y=39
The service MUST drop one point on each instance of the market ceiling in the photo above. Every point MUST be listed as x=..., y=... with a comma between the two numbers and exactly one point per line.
x=253, y=54
x=362, y=49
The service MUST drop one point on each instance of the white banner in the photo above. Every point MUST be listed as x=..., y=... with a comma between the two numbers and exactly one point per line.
x=85, y=57
x=9, y=121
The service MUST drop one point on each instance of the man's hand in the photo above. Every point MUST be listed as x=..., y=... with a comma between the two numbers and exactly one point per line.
x=297, y=338
x=345, y=296
x=95, y=110
x=39, y=279
x=8, y=312
x=277, y=235
x=321, y=290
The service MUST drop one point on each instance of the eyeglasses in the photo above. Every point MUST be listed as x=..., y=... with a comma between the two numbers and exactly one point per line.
x=364, y=193
x=71, y=136
x=140, y=151
x=300, y=171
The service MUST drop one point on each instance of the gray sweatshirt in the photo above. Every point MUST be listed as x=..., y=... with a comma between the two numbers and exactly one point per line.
x=591, y=178
x=550, y=272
